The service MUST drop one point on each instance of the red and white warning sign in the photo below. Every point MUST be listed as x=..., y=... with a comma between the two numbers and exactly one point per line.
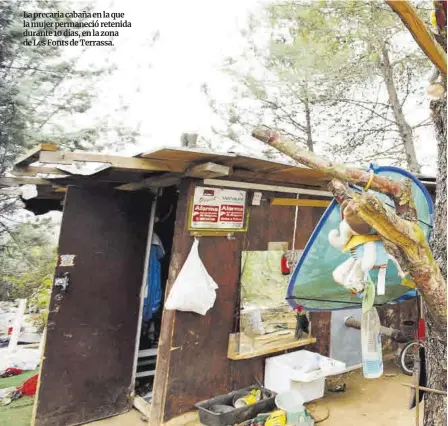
x=216, y=208
x=231, y=213
x=205, y=213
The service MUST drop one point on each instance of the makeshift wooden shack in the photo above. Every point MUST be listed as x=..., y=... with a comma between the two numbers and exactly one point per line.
x=112, y=205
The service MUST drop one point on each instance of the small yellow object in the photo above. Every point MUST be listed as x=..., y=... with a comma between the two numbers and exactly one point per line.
x=277, y=418
x=407, y=282
x=251, y=398
x=357, y=240
x=369, y=182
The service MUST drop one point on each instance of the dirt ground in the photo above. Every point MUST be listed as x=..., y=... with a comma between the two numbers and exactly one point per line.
x=379, y=402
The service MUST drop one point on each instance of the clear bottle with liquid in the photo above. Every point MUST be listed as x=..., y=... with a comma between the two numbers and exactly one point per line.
x=372, y=353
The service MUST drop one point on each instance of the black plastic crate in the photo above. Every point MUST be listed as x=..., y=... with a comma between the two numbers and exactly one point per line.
x=237, y=415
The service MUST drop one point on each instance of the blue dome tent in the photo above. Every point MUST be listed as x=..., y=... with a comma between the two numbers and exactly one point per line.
x=312, y=286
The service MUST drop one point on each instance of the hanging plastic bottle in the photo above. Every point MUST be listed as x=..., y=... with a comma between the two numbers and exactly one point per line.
x=372, y=353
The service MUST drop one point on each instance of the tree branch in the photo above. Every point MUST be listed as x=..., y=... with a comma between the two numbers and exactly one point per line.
x=406, y=241
x=399, y=191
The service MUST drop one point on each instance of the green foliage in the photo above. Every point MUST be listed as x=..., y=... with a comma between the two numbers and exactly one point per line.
x=28, y=258
x=45, y=93
x=315, y=71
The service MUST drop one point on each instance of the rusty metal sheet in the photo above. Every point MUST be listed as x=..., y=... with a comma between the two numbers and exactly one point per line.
x=193, y=363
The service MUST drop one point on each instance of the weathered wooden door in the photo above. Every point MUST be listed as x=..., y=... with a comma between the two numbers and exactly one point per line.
x=91, y=335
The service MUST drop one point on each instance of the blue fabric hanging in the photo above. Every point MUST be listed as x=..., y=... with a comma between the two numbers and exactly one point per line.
x=153, y=299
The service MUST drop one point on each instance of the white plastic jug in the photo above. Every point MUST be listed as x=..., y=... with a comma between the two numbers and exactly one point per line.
x=372, y=354
x=292, y=403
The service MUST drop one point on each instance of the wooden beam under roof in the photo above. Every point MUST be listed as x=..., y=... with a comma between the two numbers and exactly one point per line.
x=293, y=177
x=17, y=181
x=32, y=155
x=34, y=170
x=117, y=162
x=208, y=170
x=162, y=181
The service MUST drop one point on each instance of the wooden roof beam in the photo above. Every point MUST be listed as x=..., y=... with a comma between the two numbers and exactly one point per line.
x=17, y=181
x=34, y=170
x=162, y=181
x=208, y=170
x=117, y=162
x=33, y=154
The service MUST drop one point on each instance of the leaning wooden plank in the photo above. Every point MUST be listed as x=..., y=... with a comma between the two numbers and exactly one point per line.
x=17, y=181
x=299, y=203
x=409, y=15
x=208, y=170
x=162, y=181
x=118, y=162
x=32, y=155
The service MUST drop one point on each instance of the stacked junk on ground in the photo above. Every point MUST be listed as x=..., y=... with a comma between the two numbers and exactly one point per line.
x=189, y=279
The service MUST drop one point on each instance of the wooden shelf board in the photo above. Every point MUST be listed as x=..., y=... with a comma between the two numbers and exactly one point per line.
x=292, y=344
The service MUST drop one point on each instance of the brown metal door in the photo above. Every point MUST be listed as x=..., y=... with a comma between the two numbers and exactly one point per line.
x=91, y=335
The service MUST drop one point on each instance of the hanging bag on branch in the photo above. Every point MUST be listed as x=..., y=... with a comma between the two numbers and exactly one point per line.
x=194, y=290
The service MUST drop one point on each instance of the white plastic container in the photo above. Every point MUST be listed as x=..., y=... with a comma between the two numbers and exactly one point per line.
x=301, y=371
x=292, y=402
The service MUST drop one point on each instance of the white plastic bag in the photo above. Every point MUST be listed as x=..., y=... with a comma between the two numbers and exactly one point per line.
x=194, y=289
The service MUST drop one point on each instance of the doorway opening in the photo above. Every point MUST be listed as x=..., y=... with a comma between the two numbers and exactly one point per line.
x=155, y=278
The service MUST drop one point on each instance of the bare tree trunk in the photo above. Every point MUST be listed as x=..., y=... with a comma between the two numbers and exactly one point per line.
x=404, y=129
x=309, y=134
x=309, y=137
x=436, y=347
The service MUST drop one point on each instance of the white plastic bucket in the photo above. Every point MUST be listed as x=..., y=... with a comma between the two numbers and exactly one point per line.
x=291, y=402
